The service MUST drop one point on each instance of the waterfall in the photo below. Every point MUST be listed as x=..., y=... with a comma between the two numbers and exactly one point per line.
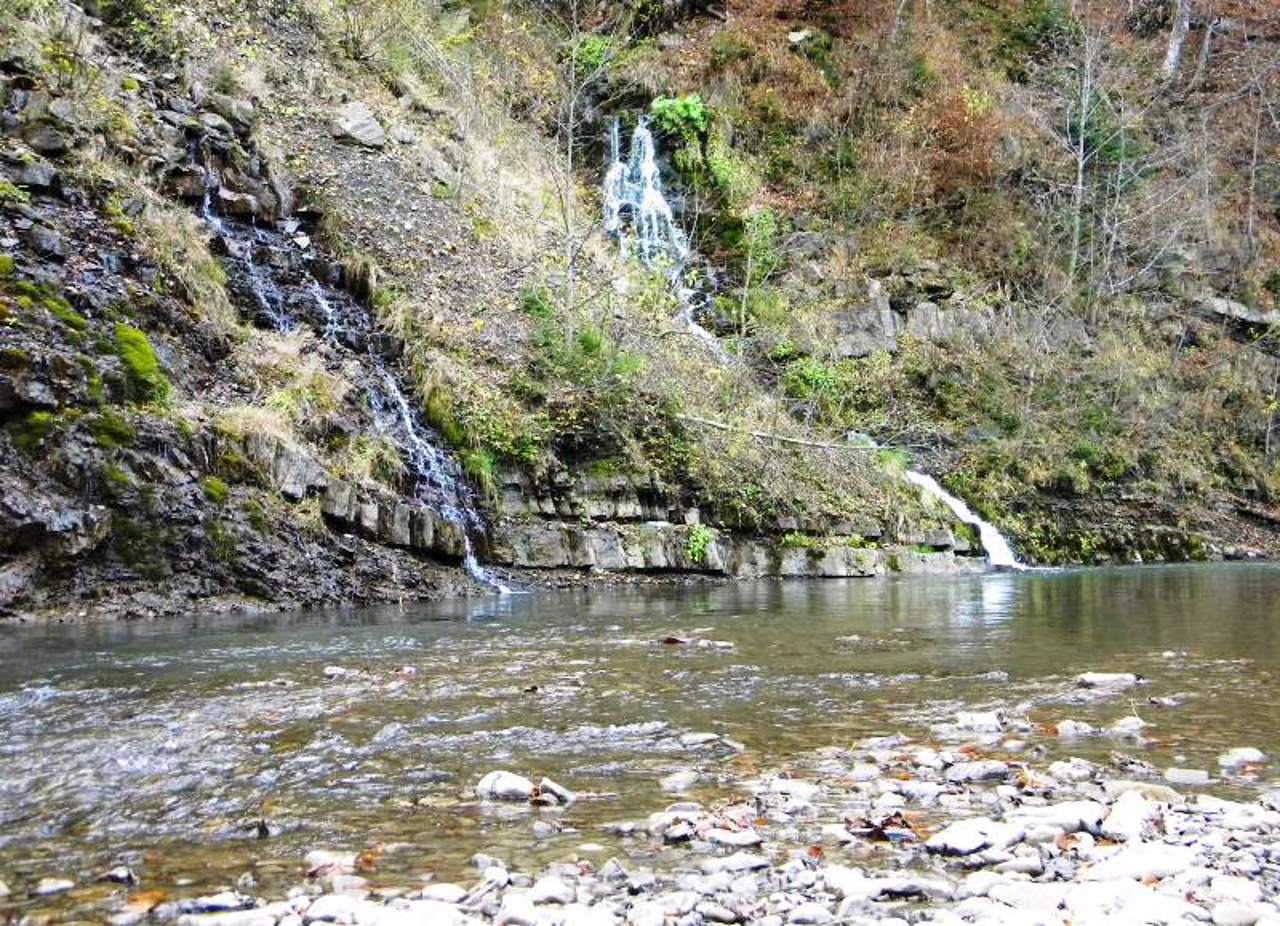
x=440, y=484
x=638, y=215
x=438, y=480
x=633, y=196
x=999, y=552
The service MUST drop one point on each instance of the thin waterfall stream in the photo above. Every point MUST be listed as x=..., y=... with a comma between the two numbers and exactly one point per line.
x=437, y=477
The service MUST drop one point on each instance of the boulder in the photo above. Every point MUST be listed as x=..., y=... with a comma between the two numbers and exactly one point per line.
x=356, y=122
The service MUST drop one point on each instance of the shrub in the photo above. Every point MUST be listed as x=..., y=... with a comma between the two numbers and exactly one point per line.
x=215, y=490
x=535, y=302
x=31, y=431
x=685, y=117
x=727, y=48
x=590, y=53
x=110, y=430
x=146, y=382
x=697, y=541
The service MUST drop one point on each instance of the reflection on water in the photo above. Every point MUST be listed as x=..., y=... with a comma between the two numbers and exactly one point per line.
x=175, y=746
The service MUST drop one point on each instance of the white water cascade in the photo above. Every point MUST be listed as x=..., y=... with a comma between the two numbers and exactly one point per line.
x=999, y=552
x=633, y=197
x=438, y=480
x=639, y=216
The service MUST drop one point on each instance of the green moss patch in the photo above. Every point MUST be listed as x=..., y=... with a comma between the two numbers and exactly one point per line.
x=146, y=381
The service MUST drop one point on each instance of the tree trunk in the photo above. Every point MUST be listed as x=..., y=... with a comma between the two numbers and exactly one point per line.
x=1177, y=35
x=1202, y=60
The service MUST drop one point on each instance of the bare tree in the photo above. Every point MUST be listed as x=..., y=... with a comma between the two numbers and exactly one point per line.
x=1177, y=36
x=584, y=61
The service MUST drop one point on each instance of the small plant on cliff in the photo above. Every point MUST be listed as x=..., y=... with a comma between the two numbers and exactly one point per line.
x=697, y=541
x=684, y=117
x=145, y=380
x=215, y=490
x=30, y=433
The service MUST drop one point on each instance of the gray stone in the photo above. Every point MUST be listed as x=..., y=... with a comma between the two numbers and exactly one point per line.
x=550, y=889
x=984, y=770
x=810, y=914
x=356, y=122
x=49, y=886
x=965, y=837
x=47, y=243
x=1244, y=755
x=504, y=786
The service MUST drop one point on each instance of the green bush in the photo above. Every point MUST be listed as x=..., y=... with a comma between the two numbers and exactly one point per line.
x=30, y=432
x=536, y=302
x=685, y=117
x=697, y=541
x=727, y=48
x=215, y=490
x=110, y=430
x=146, y=382
x=590, y=53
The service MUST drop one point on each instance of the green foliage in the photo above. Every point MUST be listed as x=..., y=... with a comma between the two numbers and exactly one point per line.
x=796, y=540
x=256, y=515
x=111, y=430
x=727, y=48
x=1042, y=27
x=30, y=432
x=146, y=381
x=480, y=465
x=1272, y=284
x=13, y=194
x=696, y=542
x=215, y=490
x=150, y=27
x=60, y=309
x=684, y=117
x=536, y=302
x=221, y=539
x=116, y=479
x=590, y=54
x=6, y=265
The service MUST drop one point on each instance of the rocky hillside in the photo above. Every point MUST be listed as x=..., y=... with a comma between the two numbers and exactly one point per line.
x=305, y=302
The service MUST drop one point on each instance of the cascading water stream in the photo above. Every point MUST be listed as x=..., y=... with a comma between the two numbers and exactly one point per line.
x=638, y=215
x=438, y=479
x=999, y=553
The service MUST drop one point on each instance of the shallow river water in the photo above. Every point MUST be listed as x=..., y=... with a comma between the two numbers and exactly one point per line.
x=200, y=750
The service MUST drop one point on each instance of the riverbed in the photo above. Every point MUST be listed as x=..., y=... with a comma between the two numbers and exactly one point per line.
x=199, y=751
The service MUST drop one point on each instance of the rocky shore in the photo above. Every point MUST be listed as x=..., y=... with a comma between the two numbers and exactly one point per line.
x=970, y=825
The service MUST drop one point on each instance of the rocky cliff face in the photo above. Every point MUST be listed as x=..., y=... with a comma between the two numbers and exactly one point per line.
x=194, y=394
x=221, y=272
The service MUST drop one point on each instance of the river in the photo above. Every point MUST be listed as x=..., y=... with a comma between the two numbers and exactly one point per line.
x=199, y=750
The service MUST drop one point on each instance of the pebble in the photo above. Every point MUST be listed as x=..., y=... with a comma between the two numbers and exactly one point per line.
x=987, y=770
x=551, y=889
x=1075, y=729
x=809, y=914
x=445, y=892
x=1245, y=755
x=965, y=837
x=1111, y=680
x=47, y=886
x=1186, y=776
x=1132, y=817
x=1234, y=913
x=504, y=786
x=679, y=781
